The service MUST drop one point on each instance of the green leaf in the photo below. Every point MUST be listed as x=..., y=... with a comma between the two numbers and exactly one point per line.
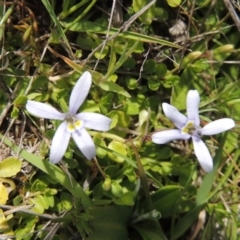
x=124, y=56
x=119, y=148
x=132, y=83
x=186, y=222
x=207, y=182
x=14, y=113
x=109, y=222
x=130, y=63
x=131, y=106
x=113, y=87
x=89, y=106
x=40, y=82
x=164, y=200
x=165, y=153
x=174, y=3
x=120, y=119
x=3, y=221
x=49, y=199
x=148, y=231
x=10, y=167
x=190, y=58
x=127, y=199
x=100, y=152
x=38, y=204
x=107, y=184
x=66, y=201
x=116, y=189
x=170, y=80
x=150, y=66
x=161, y=70
x=148, y=15
x=123, y=118
x=3, y=194
x=161, y=14
x=99, y=188
x=106, y=102
x=44, y=201
x=222, y=52
x=113, y=171
x=20, y=101
x=27, y=230
x=153, y=83
x=38, y=185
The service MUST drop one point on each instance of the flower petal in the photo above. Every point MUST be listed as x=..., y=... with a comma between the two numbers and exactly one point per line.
x=202, y=154
x=59, y=143
x=174, y=115
x=84, y=143
x=193, y=101
x=80, y=92
x=44, y=110
x=218, y=126
x=95, y=121
x=168, y=135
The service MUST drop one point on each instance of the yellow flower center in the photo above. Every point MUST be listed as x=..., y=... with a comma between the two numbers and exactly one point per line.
x=73, y=125
x=188, y=128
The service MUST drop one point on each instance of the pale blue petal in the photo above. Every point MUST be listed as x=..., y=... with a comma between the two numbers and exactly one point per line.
x=174, y=115
x=218, y=126
x=80, y=92
x=202, y=154
x=84, y=143
x=59, y=143
x=168, y=135
x=95, y=121
x=43, y=110
x=193, y=101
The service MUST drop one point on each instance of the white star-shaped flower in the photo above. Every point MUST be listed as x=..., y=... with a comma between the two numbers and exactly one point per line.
x=190, y=127
x=74, y=123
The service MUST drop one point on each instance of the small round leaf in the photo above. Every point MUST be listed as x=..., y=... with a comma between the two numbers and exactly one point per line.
x=3, y=194
x=10, y=167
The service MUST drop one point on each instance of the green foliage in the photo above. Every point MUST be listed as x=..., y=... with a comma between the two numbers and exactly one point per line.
x=148, y=15
x=136, y=189
x=109, y=222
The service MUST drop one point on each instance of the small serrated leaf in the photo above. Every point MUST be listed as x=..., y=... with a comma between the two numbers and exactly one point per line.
x=38, y=205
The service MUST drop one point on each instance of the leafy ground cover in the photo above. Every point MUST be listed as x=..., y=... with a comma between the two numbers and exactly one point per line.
x=140, y=54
